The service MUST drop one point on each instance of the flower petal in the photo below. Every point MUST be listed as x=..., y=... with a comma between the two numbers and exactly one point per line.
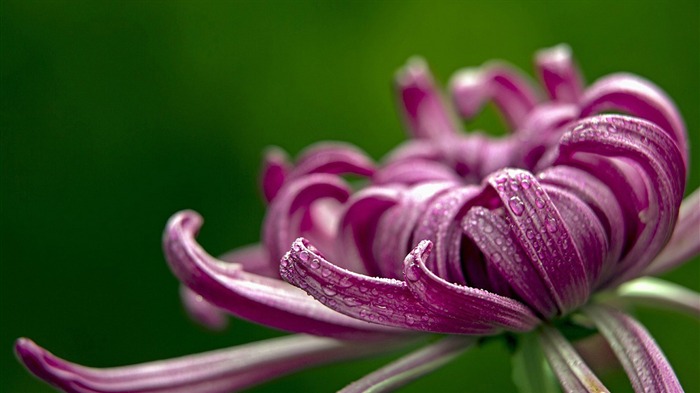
x=358, y=227
x=510, y=90
x=423, y=109
x=415, y=171
x=274, y=173
x=202, y=311
x=685, y=241
x=640, y=98
x=263, y=300
x=379, y=300
x=222, y=370
x=411, y=366
x=491, y=233
x=254, y=259
x=470, y=305
x=573, y=373
x=284, y=221
x=333, y=158
x=654, y=155
x=558, y=73
x=645, y=364
x=544, y=235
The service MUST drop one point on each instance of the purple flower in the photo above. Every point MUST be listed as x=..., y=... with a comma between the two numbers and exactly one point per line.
x=548, y=229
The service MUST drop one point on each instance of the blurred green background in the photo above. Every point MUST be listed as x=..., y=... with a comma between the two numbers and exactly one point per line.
x=115, y=115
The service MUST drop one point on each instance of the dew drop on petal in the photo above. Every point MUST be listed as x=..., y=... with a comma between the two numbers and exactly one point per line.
x=516, y=205
x=551, y=224
x=315, y=263
x=325, y=272
x=304, y=256
x=539, y=202
x=329, y=290
x=413, y=273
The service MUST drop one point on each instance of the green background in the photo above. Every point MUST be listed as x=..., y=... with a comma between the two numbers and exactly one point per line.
x=115, y=115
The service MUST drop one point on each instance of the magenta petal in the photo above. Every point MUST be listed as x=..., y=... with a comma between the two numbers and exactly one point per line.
x=439, y=225
x=411, y=366
x=573, y=373
x=558, y=73
x=285, y=222
x=424, y=112
x=358, y=227
x=201, y=310
x=274, y=172
x=333, y=158
x=510, y=90
x=491, y=233
x=685, y=241
x=640, y=98
x=263, y=300
x=544, y=235
x=379, y=300
x=415, y=171
x=217, y=371
x=648, y=150
x=254, y=259
x=470, y=306
x=645, y=364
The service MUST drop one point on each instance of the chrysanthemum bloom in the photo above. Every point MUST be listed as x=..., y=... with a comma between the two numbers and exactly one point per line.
x=455, y=233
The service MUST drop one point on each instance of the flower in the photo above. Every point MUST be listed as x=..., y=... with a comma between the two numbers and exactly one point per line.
x=549, y=228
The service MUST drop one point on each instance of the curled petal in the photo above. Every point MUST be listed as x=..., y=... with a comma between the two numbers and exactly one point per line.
x=358, y=227
x=685, y=241
x=333, y=158
x=291, y=216
x=645, y=364
x=491, y=233
x=439, y=224
x=274, y=173
x=201, y=310
x=424, y=112
x=573, y=373
x=558, y=73
x=411, y=366
x=264, y=300
x=544, y=235
x=221, y=371
x=379, y=300
x=640, y=98
x=470, y=305
x=601, y=201
x=410, y=172
x=651, y=152
x=510, y=90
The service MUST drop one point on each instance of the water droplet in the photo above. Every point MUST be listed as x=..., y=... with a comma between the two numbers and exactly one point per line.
x=304, y=256
x=530, y=234
x=329, y=290
x=516, y=205
x=488, y=228
x=501, y=179
x=499, y=241
x=375, y=292
x=551, y=224
x=363, y=289
x=496, y=257
x=325, y=272
x=410, y=319
x=296, y=247
x=315, y=263
x=351, y=301
x=345, y=282
x=284, y=262
x=413, y=273
x=525, y=184
x=539, y=202
x=514, y=185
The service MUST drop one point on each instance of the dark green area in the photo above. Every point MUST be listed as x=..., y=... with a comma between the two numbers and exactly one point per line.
x=114, y=115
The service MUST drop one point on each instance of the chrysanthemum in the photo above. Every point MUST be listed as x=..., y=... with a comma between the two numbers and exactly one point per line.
x=549, y=229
